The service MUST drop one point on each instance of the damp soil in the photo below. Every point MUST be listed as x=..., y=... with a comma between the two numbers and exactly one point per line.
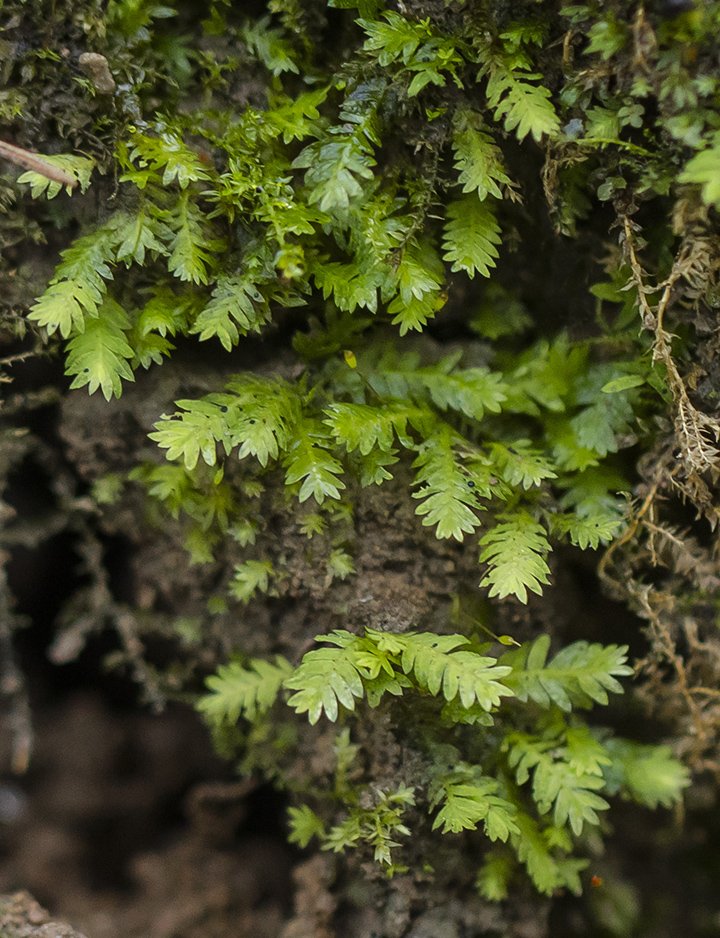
x=126, y=825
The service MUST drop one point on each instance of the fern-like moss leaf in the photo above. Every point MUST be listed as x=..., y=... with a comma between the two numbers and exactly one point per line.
x=580, y=674
x=327, y=678
x=471, y=233
x=98, y=357
x=449, y=499
x=515, y=553
x=243, y=691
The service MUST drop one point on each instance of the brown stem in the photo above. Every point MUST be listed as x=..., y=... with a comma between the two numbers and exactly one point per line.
x=36, y=164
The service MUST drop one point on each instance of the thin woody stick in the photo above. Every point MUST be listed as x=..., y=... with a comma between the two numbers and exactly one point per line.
x=36, y=164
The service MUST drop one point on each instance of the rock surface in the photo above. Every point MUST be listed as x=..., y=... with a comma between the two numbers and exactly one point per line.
x=22, y=917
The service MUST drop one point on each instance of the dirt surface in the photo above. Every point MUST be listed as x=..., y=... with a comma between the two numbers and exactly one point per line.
x=114, y=830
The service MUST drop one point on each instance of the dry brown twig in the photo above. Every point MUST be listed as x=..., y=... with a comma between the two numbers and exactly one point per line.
x=36, y=164
x=665, y=645
x=629, y=533
x=698, y=435
x=691, y=464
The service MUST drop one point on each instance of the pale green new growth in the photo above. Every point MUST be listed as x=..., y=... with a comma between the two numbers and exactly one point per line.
x=326, y=678
x=514, y=551
x=447, y=490
x=471, y=233
x=650, y=775
x=77, y=167
x=249, y=578
x=586, y=532
x=477, y=158
x=704, y=170
x=523, y=107
x=248, y=692
x=168, y=152
x=99, y=355
x=358, y=426
x=383, y=663
x=548, y=871
x=304, y=825
x=79, y=284
x=560, y=774
x=578, y=676
x=520, y=464
x=466, y=806
x=377, y=826
x=309, y=462
x=236, y=308
x=557, y=784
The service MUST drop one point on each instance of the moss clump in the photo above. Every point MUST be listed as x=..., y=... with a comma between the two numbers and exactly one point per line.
x=437, y=271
